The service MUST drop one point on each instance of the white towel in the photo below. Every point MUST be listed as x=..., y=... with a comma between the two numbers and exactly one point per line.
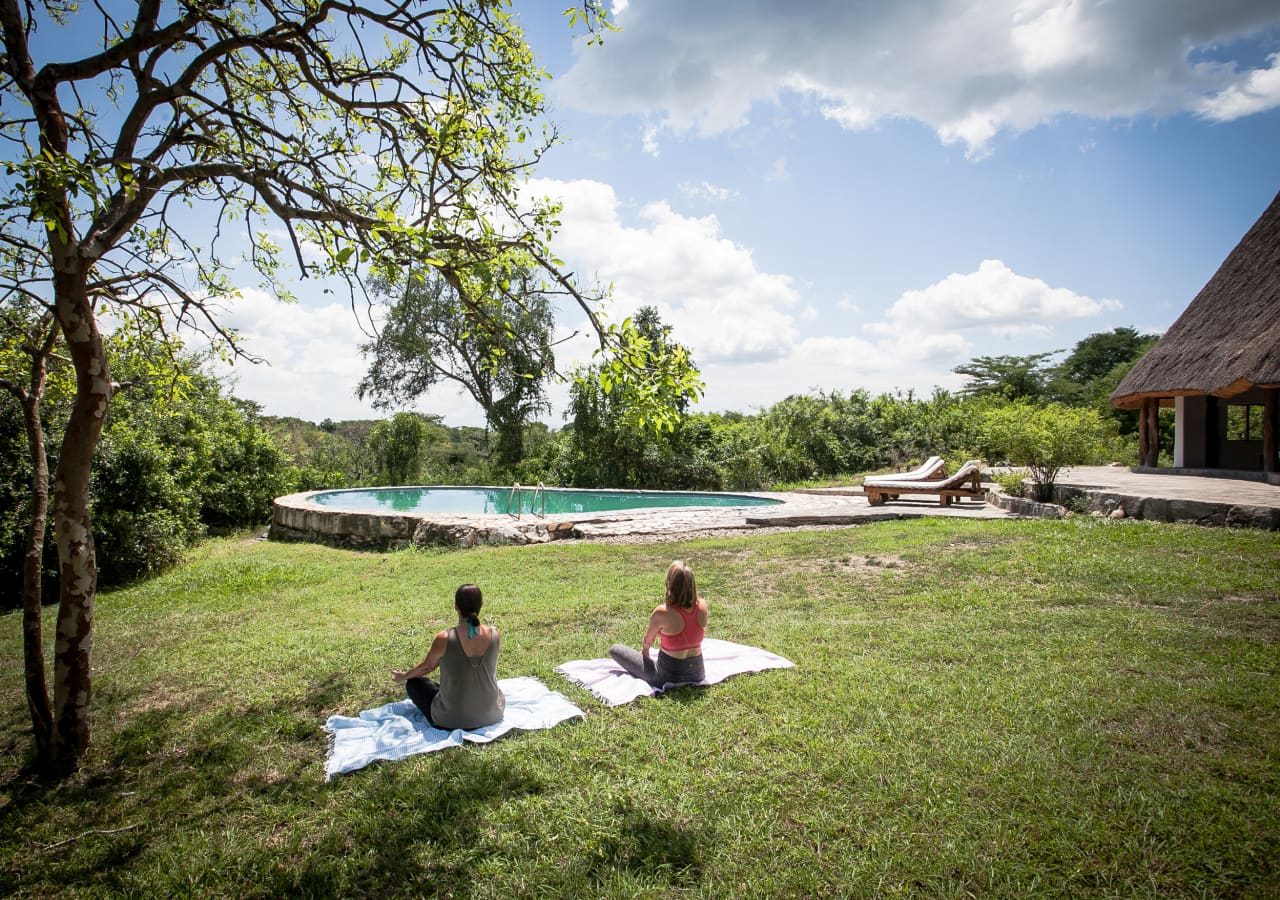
x=606, y=679
x=399, y=729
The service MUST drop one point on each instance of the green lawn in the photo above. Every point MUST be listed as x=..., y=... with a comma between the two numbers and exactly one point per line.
x=997, y=708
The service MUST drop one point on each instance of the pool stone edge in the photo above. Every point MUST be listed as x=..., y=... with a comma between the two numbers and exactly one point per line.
x=295, y=518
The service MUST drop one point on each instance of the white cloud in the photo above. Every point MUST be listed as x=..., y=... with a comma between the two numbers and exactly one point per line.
x=705, y=190
x=1257, y=92
x=994, y=298
x=706, y=286
x=313, y=362
x=649, y=141
x=842, y=363
x=970, y=69
x=744, y=325
x=848, y=302
x=778, y=170
x=921, y=337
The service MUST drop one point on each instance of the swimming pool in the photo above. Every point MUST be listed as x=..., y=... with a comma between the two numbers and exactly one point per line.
x=508, y=501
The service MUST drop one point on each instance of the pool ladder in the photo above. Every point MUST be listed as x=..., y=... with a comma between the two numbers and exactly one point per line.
x=536, y=493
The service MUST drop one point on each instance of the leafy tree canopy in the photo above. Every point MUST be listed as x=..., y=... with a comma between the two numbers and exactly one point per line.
x=612, y=441
x=1096, y=355
x=502, y=359
x=374, y=135
x=1010, y=377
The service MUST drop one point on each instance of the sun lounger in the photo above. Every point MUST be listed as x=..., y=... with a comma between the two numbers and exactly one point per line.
x=933, y=469
x=966, y=482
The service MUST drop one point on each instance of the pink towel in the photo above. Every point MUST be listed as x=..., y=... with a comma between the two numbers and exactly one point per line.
x=605, y=679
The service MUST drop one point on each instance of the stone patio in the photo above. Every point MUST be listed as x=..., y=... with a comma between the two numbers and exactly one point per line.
x=1170, y=497
x=295, y=517
x=1111, y=491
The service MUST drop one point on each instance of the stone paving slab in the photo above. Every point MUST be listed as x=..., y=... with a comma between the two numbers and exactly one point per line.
x=794, y=511
x=1119, y=480
x=1118, y=492
x=295, y=517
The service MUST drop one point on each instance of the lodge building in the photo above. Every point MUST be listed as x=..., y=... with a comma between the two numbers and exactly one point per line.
x=1218, y=367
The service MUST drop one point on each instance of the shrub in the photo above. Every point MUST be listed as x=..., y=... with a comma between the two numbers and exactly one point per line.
x=1012, y=483
x=1046, y=439
x=178, y=456
x=143, y=518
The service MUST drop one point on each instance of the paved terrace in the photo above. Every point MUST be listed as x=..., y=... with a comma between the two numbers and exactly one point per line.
x=1113, y=491
x=1172, y=498
x=296, y=518
x=822, y=507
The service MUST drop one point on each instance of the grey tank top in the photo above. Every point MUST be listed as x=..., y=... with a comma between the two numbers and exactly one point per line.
x=469, y=694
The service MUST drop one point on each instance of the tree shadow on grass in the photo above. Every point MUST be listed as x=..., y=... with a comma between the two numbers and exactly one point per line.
x=197, y=796
x=418, y=834
x=648, y=849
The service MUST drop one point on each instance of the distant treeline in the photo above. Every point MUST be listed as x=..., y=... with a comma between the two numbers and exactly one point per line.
x=181, y=457
x=800, y=439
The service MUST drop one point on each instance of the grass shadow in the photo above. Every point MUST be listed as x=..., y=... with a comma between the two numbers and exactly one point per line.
x=649, y=849
x=165, y=781
x=414, y=837
x=688, y=693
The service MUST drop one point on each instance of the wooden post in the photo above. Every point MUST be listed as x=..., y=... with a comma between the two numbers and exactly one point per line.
x=1154, y=430
x=1148, y=437
x=1270, y=427
x=1142, y=433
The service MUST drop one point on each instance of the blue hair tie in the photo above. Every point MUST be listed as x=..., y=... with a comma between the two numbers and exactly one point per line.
x=472, y=630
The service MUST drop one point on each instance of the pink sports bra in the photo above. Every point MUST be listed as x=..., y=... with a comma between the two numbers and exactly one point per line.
x=688, y=639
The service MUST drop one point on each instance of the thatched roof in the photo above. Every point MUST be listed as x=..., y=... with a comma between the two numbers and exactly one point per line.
x=1228, y=339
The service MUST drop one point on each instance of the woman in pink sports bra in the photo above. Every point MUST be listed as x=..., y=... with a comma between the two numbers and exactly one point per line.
x=679, y=623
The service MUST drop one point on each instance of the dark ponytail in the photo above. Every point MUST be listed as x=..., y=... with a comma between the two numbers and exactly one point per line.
x=467, y=600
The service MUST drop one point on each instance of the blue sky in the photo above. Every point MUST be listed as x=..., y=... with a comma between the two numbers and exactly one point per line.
x=827, y=196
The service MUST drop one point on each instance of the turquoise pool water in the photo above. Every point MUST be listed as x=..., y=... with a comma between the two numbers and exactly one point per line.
x=454, y=500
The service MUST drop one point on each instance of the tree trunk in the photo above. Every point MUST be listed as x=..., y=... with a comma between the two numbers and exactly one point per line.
x=1153, y=430
x=32, y=638
x=1143, y=433
x=72, y=525
x=1149, y=433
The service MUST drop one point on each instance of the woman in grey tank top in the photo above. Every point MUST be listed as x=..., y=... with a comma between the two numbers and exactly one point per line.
x=468, y=695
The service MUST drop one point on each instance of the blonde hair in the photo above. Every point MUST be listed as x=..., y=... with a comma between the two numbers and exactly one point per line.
x=681, y=589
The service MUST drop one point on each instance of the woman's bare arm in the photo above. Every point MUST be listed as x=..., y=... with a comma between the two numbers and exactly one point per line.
x=429, y=662
x=656, y=620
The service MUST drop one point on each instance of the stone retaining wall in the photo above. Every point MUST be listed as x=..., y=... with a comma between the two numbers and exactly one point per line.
x=1021, y=506
x=293, y=518
x=1097, y=501
x=1161, y=509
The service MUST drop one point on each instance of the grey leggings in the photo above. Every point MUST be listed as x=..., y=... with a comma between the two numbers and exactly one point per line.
x=668, y=669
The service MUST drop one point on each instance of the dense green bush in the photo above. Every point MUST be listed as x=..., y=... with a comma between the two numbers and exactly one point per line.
x=144, y=516
x=178, y=457
x=801, y=438
x=396, y=444
x=15, y=503
x=243, y=469
x=1046, y=438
